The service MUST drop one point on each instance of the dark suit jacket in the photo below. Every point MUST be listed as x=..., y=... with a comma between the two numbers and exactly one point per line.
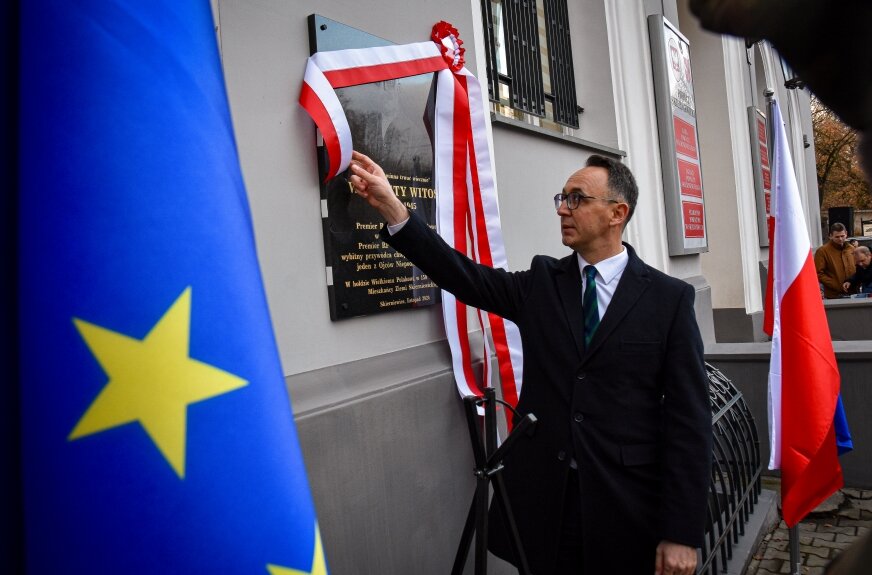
x=633, y=410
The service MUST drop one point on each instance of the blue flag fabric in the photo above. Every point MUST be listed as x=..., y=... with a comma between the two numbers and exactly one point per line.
x=844, y=442
x=157, y=435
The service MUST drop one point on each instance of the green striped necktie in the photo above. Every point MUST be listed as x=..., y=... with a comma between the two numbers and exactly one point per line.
x=591, y=311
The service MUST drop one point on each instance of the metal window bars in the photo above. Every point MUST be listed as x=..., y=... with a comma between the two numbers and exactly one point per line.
x=562, y=72
x=523, y=54
x=525, y=67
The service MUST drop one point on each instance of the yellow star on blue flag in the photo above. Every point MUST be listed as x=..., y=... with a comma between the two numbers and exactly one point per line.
x=152, y=381
x=319, y=566
x=157, y=433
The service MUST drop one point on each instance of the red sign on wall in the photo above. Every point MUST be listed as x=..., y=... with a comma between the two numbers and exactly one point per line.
x=764, y=163
x=694, y=222
x=689, y=179
x=685, y=137
x=761, y=140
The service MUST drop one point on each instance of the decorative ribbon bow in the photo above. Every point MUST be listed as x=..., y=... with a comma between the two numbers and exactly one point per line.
x=466, y=199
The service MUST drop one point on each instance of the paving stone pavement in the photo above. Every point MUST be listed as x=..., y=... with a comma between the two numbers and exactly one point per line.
x=837, y=523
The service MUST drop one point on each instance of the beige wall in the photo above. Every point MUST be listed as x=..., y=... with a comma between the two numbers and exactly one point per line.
x=722, y=265
x=265, y=45
x=373, y=396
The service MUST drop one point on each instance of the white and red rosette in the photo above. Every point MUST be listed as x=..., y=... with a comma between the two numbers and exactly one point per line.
x=448, y=39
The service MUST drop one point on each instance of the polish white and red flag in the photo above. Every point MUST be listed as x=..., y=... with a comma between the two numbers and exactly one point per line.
x=803, y=374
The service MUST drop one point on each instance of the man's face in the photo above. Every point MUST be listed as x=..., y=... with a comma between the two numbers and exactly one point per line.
x=862, y=259
x=838, y=238
x=587, y=224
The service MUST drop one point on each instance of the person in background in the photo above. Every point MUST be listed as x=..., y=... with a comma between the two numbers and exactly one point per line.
x=862, y=278
x=834, y=262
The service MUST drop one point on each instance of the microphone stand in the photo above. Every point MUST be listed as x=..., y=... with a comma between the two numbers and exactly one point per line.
x=488, y=464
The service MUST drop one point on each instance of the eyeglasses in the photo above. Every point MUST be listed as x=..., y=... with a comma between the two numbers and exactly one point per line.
x=573, y=199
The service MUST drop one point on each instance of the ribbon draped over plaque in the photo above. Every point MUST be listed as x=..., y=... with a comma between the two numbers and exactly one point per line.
x=466, y=202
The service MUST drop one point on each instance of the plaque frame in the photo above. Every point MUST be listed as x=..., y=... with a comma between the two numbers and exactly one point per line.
x=364, y=275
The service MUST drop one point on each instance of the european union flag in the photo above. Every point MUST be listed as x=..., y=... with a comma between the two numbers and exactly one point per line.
x=157, y=432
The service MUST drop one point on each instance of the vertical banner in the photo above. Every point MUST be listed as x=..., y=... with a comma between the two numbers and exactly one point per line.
x=157, y=435
x=762, y=171
x=679, y=138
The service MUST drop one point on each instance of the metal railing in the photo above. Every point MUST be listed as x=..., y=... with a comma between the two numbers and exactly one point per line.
x=735, y=483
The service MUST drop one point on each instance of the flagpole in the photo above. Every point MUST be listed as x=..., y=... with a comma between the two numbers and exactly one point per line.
x=795, y=561
x=770, y=140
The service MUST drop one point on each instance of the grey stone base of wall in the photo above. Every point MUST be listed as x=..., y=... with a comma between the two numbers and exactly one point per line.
x=761, y=522
x=702, y=306
x=735, y=325
x=848, y=319
x=387, y=454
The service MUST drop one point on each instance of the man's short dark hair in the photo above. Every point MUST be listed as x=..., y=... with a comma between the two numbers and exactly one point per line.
x=838, y=227
x=621, y=182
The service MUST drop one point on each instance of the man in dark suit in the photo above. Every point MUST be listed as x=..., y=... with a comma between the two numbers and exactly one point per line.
x=615, y=477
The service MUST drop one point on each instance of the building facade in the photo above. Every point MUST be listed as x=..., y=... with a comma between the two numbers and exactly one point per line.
x=379, y=417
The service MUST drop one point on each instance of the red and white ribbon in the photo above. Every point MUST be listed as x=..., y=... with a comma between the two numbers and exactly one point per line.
x=466, y=201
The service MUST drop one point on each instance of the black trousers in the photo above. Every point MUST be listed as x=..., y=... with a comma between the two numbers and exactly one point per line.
x=569, y=556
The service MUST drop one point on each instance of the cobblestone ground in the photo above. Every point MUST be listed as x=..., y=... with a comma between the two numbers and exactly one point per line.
x=832, y=527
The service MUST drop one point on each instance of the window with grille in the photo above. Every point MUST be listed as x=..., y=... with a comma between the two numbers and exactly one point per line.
x=529, y=61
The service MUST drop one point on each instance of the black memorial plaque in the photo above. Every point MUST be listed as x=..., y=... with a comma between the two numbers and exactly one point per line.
x=387, y=120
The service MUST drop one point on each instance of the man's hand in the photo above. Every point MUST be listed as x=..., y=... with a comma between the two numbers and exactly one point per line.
x=846, y=286
x=674, y=559
x=370, y=183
